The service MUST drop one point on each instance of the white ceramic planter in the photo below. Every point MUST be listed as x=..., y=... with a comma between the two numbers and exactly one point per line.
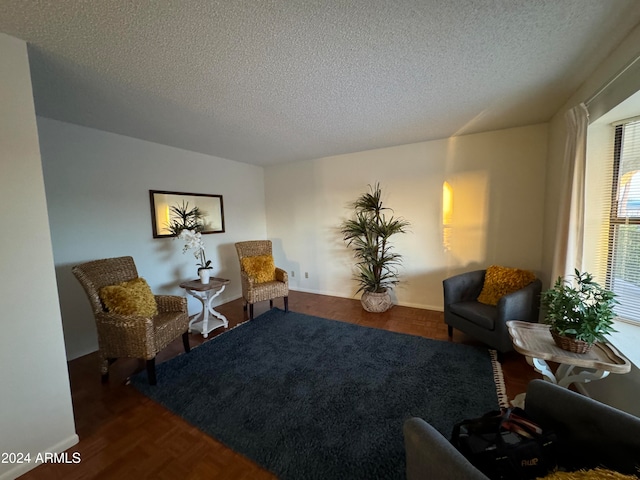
x=205, y=275
x=376, y=302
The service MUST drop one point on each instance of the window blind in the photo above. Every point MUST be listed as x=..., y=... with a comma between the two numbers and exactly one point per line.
x=623, y=246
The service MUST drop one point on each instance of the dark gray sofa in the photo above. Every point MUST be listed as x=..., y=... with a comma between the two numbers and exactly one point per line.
x=486, y=322
x=590, y=434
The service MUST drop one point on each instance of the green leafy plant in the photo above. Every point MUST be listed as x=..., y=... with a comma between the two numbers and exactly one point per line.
x=185, y=218
x=581, y=309
x=368, y=233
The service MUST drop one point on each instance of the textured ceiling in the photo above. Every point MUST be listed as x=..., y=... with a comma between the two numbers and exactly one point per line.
x=269, y=81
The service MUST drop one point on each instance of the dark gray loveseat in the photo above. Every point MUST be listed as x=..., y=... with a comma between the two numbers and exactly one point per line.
x=590, y=434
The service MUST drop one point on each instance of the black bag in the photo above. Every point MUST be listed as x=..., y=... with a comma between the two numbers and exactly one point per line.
x=506, y=445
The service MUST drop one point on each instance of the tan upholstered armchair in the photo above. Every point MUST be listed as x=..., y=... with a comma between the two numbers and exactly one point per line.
x=129, y=335
x=274, y=282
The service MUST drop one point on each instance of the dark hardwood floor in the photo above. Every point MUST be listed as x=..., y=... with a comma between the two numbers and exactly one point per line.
x=124, y=435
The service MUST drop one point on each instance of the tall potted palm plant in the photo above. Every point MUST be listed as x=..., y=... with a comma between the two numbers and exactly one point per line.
x=368, y=234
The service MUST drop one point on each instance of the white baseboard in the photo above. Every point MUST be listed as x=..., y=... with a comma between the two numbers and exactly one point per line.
x=437, y=308
x=322, y=292
x=228, y=298
x=22, y=468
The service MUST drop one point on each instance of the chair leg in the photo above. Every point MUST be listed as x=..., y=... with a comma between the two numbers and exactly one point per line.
x=450, y=331
x=104, y=367
x=286, y=304
x=151, y=371
x=271, y=303
x=185, y=341
x=251, y=311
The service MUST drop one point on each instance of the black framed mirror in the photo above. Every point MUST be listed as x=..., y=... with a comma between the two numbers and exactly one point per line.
x=172, y=211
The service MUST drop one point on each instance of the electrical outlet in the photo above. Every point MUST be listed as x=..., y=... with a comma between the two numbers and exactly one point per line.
x=306, y=274
x=293, y=273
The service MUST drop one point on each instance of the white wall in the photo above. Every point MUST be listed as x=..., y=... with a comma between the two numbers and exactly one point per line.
x=620, y=391
x=97, y=187
x=498, y=195
x=36, y=414
x=621, y=84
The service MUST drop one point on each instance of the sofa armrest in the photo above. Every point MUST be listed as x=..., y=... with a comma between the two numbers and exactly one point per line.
x=282, y=276
x=247, y=281
x=591, y=433
x=430, y=456
x=523, y=305
x=171, y=303
x=463, y=288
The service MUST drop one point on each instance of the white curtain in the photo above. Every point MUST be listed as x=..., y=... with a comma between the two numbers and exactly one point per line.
x=570, y=230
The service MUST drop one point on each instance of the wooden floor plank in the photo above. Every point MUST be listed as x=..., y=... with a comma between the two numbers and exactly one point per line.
x=123, y=434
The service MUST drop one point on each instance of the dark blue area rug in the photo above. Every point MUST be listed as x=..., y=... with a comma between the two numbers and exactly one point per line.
x=311, y=398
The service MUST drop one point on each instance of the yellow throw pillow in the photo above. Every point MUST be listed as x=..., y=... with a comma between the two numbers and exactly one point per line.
x=501, y=281
x=260, y=267
x=598, y=473
x=130, y=298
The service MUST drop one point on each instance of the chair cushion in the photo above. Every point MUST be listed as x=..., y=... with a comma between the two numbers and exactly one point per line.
x=478, y=313
x=133, y=297
x=501, y=281
x=260, y=267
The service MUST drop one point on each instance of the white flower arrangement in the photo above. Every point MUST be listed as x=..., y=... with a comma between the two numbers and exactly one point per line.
x=193, y=241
